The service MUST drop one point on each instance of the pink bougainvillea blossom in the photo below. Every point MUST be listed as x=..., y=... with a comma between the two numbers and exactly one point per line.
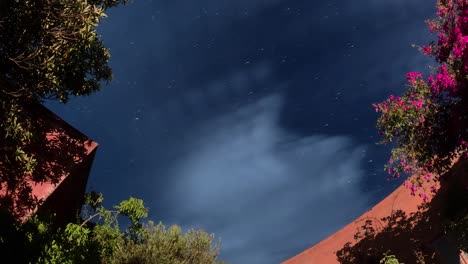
x=399, y=101
x=442, y=82
x=413, y=188
x=422, y=119
x=377, y=107
x=464, y=143
x=460, y=45
x=443, y=39
x=426, y=50
x=433, y=26
x=418, y=104
x=406, y=184
x=412, y=77
x=443, y=47
x=424, y=197
x=427, y=177
x=464, y=147
x=408, y=168
x=404, y=118
x=442, y=11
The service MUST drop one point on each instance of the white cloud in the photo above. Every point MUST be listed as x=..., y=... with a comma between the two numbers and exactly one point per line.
x=264, y=191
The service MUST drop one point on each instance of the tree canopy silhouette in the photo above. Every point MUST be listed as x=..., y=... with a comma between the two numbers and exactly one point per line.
x=49, y=50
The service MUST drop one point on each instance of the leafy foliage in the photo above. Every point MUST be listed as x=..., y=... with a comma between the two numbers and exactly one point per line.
x=49, y=49
x=159, y=244
x=389, y=259
x=98, y=239
x=428, y=122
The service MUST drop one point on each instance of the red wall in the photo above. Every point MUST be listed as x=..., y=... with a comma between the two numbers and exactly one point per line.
x=400, y=199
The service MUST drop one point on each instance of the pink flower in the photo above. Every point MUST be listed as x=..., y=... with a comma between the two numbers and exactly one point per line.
x=434, y=88
x=427, y=177
x=424, y=197
x=376, y=107
x=406, y=183
x=433, y=26
x=427, y=50
x=462, y=22
x=451, y=51
x=413, y=188
x=463, y=143
x=408, y=168
x=460, y=45
x=412, y=77
x=422, y=119
x=399, y=101
x=443, y=40
x=442, y=82
x=417, y=104
x=441, y=11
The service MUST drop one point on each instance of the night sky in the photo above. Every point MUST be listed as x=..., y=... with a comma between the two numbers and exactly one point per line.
x=251, y=119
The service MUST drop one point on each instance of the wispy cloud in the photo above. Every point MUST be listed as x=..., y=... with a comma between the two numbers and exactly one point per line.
x=265, y=191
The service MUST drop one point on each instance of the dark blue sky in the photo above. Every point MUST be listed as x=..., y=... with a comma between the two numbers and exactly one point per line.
x=250, y=118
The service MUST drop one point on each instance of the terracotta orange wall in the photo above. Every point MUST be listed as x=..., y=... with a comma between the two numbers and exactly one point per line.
x=324, y=251
x=400, y=199
x=66, y=200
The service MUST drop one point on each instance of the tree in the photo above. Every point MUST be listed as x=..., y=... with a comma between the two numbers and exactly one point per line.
x=98, y=239
x=49, y=49
x=159, y=244
x=429, y=122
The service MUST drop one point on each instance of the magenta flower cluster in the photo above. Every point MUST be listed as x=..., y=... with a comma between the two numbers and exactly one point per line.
x=460, y=45
x=464, y=148
x=400, y=115
x=397, y=102
x=452, y=28
x=413, y=77
x=442, y=82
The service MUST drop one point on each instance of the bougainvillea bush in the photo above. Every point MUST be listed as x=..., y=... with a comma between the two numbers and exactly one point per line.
x=428, y=123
